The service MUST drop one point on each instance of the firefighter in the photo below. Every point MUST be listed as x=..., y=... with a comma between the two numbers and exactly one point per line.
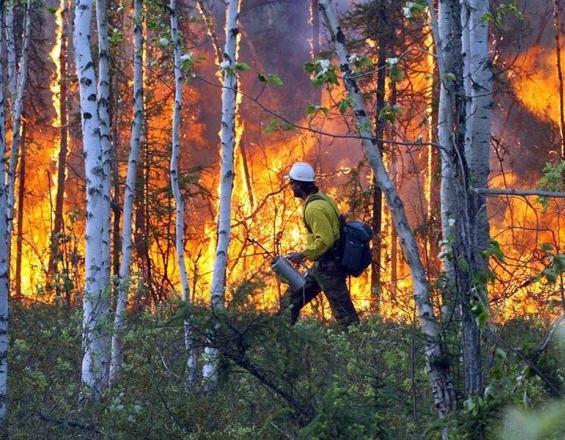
x=322, y=223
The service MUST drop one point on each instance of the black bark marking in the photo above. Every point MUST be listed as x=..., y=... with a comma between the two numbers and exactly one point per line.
x=340, y=37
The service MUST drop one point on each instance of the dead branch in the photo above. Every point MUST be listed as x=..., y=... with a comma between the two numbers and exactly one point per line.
x=519, y=192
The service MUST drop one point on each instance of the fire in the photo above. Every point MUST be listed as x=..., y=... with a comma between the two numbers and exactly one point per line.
x=536, y=85
x=55, y=56
x=265, y=212
x=522, y=230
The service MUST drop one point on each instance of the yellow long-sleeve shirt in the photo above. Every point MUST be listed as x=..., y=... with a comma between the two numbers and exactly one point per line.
x=321, y=217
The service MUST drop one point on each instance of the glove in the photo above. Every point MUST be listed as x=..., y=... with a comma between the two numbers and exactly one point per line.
x=295, y=257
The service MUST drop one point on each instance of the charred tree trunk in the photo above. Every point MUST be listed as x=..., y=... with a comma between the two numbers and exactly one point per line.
x=442, y=387
x=56, y=233
x=379, y=135
x=20, y=220
x=557, y=26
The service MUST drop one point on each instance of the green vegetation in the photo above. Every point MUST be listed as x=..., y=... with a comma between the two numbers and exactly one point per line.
x=278, y=382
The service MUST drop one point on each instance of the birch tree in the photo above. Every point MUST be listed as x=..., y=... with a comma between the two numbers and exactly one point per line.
x=129, y=193
x=477, y=79
x=454, y=183
x=10, y=46
x=461, y=39
x=227, y=138
x=179, y=199
x=95, y=297
x=4, y=262
x=17, y=80
x=442, y=387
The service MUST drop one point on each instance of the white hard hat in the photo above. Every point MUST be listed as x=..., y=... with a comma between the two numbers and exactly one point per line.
x=302, y=172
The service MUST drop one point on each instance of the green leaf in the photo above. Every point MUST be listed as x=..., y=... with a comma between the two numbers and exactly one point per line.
x=186, y=64
x=487, y=17
x=287, y=126
x=271, y=126
x=312, y=109
x=344, y=105
x=274, y=80
x=500, y=354
x=547, y=247
x=462, y=264
x=310, y=67
x=396, y=73
x=552, y=180
x=494, y=250
x=242, y=67
x=450, y=76
x=390, y=113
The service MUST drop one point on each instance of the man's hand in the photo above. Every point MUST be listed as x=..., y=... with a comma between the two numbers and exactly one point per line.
x=295, y=257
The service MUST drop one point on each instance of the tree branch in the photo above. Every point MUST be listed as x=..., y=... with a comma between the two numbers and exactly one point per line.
x=518, y=192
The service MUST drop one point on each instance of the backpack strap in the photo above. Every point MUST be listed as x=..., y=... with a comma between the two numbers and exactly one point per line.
x=319, y=197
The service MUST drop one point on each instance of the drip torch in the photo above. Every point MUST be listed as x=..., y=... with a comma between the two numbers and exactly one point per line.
x=283, y=269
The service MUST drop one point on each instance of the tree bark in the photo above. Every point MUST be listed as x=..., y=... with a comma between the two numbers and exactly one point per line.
x=227, y=138
x=558, y=65
x=379, y=134
x=96, y=295
x=315, y=28
x=10, y=44
x=209, y=22
x=57, y=231
x=20, y=222
x=442, y=387
x=179, y=199
x=477, y=77
x=17, y=110
x=129, y=194
x=4, y=261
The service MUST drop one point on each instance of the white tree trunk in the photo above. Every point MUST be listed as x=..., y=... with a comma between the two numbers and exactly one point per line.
x=461, y=209
x=442, y=387
x=447, y=37
x=11, y=74
x=103, y=106
x=227, y=138
x=477, y=78
x=4, y=262
x=17, y=109
x=478, y=92
x=96, y=294
x=129, y=196
x=179, y=200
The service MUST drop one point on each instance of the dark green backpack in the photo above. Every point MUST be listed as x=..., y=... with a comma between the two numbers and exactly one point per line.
x=353, y=247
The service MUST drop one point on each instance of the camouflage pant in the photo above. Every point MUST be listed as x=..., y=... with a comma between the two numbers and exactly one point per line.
x=329, y=278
